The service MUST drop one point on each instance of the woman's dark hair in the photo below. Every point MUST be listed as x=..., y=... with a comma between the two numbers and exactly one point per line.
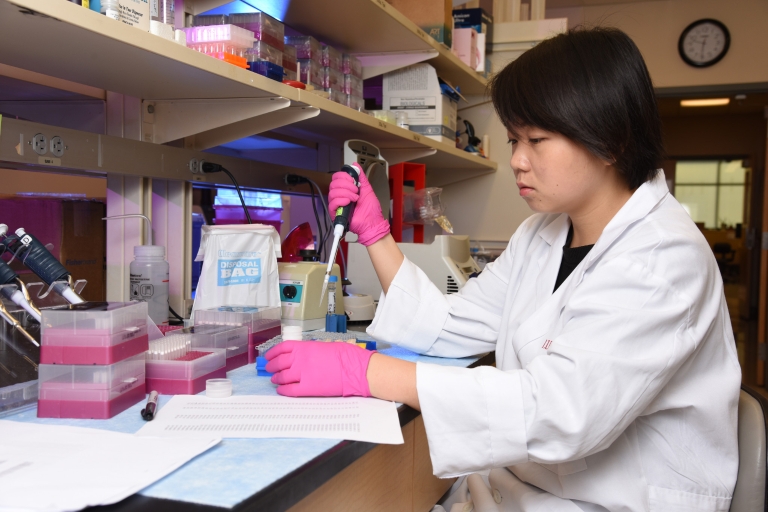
x=590, y=85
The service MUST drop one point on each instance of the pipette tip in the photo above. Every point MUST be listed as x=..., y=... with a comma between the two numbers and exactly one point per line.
x=325, y=287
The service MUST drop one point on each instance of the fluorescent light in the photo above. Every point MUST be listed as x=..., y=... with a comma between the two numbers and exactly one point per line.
x=707, y=102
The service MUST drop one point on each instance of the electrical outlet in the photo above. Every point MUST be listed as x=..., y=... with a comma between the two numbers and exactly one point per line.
x=195, y=166
x=40, y=144
x=57, y=146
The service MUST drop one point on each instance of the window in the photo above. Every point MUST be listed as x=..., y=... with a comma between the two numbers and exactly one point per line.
x=712, y=192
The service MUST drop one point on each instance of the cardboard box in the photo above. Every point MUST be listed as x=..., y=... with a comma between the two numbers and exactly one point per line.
x=435, y=17
x=465, y=46
x=477, y=19
x=75, y=229
x=416, y=90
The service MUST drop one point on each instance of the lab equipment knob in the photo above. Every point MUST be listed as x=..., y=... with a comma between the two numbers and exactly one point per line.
x=289, y=291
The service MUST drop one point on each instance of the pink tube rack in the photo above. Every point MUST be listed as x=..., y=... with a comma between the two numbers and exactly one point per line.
x=186, y=375
x=90, y=391
x=231, y=35
x=90, y=333
x=263, y=323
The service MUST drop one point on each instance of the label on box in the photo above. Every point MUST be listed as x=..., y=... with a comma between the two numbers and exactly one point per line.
x=419, y=108
x=135, y=13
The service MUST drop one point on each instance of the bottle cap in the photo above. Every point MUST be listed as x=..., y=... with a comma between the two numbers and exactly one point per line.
x=218, y=388
x=149, y=250
x=333, y=279
x=20, y=232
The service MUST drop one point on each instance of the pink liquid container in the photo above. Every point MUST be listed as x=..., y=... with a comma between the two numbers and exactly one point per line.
x=90, y=391
x=90, y=333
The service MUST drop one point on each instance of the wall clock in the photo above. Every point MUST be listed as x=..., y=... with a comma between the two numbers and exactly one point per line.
x=704, y=43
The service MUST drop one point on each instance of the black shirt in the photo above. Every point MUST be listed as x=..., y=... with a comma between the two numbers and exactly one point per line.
x=572, y=256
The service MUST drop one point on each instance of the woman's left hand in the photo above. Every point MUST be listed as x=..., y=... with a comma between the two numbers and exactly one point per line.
x=316, y=368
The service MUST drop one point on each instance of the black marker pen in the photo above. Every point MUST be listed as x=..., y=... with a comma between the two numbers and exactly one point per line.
x=148, y=413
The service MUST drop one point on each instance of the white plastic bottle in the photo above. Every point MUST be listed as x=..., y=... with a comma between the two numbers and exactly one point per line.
x=111, y=8
x=149, y=281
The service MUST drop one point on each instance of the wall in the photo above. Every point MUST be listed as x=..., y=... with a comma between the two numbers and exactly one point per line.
x=655, y=26
x=489, y=207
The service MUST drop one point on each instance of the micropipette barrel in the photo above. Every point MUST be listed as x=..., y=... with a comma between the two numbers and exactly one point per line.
x=9, y=277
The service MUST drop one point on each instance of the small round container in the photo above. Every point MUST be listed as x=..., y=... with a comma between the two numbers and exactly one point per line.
x=218, y=388
x=295, y=83
x=291, y=332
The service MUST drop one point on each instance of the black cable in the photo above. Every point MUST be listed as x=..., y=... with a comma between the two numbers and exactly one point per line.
x=317, y=219
x=209, y=167
x=175, y=313
x=237, y=187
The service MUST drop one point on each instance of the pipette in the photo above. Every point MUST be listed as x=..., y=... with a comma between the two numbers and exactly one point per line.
x=40, y=261
x=341, y=223
x=19, y=295
x=5, y=315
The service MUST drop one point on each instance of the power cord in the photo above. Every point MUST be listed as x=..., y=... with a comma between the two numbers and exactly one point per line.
x=295, y=179
x=175, y=313
x=210, y=167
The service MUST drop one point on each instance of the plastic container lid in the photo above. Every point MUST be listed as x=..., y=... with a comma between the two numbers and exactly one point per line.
x=333, y=279
x=218, y=388
x=149, y=250
x=292, y=332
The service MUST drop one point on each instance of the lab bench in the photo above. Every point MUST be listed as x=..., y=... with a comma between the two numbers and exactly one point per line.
x=291, y=474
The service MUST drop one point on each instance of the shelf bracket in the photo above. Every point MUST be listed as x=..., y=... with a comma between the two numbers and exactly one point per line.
x=395, y=156
x=167, y=120
x=375, y=64
x=241, y=129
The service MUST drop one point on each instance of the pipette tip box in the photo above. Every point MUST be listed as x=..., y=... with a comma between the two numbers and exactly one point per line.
x=90, y=391
x=186, y=375
x=90, y=333
x=263, y=323
x=233, y=339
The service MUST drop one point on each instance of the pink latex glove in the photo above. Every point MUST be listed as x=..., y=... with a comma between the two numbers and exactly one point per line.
x=367, y=221
x=317, y=368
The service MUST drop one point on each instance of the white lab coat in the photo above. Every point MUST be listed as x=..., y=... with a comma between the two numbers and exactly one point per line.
x=619, y=391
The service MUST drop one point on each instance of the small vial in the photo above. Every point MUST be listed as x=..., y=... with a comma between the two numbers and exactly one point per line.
x=332, y=294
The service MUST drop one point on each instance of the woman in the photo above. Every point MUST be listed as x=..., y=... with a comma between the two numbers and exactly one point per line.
x=617, y=381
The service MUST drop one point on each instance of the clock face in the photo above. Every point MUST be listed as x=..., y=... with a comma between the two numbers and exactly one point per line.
x=704, y=42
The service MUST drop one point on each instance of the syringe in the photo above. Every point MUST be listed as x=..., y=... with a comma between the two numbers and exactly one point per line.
x=40, y=261
x=341, y=223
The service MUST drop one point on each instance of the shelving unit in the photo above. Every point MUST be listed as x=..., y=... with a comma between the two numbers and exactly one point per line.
x=99, y=52
x=365, y=27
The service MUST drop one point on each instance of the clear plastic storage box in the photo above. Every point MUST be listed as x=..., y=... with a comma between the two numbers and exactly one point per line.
x=353, y=85
x=337, y=96
x=290, y=75
x=264, y=27
x=332, y=58
x=231, y=338
x=264, y=52
x=93, y=332
x=263, y=323
x=289, y=58
x=210, y=19
x=333, y=79
x=90, y=391
x=311, y=72
x=229, y=34
x=352, y=66
x=354, y=102
x=186, y=375
x=307, y=47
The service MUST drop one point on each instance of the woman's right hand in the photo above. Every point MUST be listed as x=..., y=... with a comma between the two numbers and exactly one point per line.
x=367, y=221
